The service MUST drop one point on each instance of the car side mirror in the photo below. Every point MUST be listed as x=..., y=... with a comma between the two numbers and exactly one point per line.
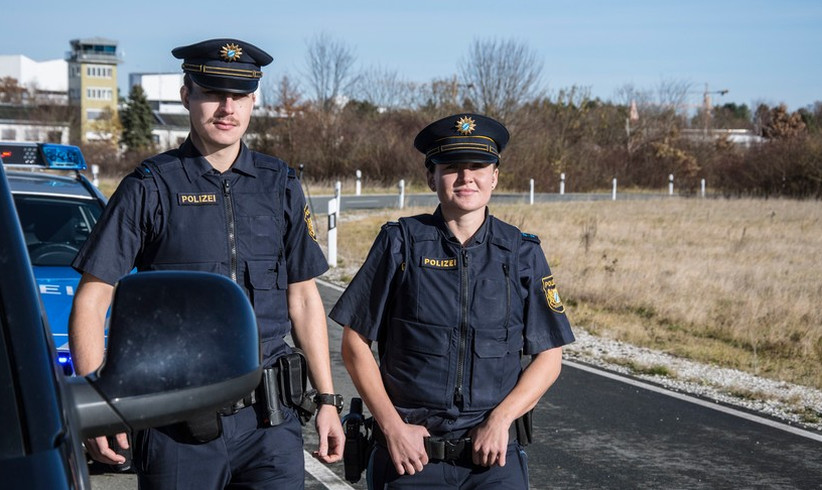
x=179, y=342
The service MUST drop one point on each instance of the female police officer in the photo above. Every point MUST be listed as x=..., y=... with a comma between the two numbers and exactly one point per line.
x=214, y=205
x=453, y=299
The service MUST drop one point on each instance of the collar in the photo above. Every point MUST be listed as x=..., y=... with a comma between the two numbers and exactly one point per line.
x=195, y=165
x=478, y=238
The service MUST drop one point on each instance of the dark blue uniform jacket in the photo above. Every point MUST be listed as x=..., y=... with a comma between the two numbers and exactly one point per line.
x=452, y=321
x=175, y=212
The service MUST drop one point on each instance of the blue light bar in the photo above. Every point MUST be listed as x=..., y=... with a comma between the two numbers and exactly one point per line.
x=63, y=157
x=42, y=155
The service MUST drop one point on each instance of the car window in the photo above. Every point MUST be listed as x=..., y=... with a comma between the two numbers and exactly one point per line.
x=55, y=227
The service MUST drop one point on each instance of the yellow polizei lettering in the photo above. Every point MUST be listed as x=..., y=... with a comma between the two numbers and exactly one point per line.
x=198, y=198
x=439, y=263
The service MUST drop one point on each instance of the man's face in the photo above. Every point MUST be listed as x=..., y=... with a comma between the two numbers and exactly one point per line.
x=218, y=119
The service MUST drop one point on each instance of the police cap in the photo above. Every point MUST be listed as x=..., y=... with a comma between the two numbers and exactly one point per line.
x=460, y=138
x=226, y=65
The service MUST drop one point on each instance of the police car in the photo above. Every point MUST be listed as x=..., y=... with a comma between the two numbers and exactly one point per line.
x=58, y=208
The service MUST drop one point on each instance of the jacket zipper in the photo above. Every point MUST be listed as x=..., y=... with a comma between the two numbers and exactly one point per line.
x=507, y=295
x=458, y=391
x=232, y=236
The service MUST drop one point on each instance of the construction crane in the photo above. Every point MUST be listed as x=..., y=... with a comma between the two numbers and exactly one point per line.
x=706, y=105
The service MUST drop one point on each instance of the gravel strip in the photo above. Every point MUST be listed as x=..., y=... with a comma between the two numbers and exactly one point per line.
x=794, y=404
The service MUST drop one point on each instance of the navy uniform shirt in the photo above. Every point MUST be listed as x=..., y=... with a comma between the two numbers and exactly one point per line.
x=134, y=219
x=367, y=304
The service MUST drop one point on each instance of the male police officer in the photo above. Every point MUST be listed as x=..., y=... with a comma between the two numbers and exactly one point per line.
x=214, y=205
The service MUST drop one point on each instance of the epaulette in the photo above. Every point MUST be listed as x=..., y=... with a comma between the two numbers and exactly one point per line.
x=292, y=174
x=530, y=237
x=143, y=171
x=390, y=224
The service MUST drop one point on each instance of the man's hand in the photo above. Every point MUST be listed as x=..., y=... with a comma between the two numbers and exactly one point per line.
x=407, y=448
x=100, y=451
x=489, y=443
x=331, y=435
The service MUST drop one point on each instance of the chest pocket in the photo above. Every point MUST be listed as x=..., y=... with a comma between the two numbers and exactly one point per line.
x=259, y=223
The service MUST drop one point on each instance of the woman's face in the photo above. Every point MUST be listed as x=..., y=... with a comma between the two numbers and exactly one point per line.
x=463, y=187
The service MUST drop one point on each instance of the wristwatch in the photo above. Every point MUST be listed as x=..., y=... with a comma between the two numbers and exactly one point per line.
x=330, y=399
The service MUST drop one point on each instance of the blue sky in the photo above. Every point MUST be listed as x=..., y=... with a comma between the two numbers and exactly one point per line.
x=761, y=51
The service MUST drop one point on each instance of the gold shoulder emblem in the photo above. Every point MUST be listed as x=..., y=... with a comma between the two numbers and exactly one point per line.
x=309, y=224
x=549, y=287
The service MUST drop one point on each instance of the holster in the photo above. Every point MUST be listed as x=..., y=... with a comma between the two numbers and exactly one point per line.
x=525, y=427
x=359, y=441
x=293, y=372
x=205, y=426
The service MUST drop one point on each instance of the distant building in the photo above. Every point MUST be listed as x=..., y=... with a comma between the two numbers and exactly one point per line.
x=740, y=137
x=162, y=90
x=34, y=123
x=92, y=85
x=46, y=81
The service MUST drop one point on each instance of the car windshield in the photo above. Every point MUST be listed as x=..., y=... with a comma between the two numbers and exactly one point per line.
x=55, y=227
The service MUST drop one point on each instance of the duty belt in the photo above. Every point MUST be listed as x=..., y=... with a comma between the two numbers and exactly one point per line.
x=240, y=404
x=443, y=448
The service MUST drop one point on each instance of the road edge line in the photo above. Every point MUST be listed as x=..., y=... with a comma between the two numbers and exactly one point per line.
x=698, y=401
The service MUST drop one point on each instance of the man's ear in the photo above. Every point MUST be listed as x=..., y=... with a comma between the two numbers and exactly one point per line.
x=432, y=182
x=184, y=96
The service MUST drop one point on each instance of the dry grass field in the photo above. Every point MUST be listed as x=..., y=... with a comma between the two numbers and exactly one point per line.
x=735, y=283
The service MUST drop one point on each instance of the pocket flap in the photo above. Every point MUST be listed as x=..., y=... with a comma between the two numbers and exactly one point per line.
x=490, y=343
x=262, y=274
x=433, y=340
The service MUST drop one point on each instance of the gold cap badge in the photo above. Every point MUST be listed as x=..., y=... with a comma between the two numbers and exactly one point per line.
x=231, y=52
x=465, y=125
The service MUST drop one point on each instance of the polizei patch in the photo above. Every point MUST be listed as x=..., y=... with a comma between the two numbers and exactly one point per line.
x=433, y=263
x=188, y=199
x=549, y=287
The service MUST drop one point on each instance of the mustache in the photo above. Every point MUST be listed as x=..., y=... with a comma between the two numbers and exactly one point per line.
x=224, y=120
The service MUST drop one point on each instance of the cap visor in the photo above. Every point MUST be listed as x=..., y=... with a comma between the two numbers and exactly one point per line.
x=223, y=84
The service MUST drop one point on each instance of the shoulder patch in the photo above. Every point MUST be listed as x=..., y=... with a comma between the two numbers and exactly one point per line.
x=530, y=237
x=549, y=287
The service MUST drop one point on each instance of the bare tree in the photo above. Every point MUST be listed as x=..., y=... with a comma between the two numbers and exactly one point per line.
x=384, y=88
x=500, y=76
x=329, y=65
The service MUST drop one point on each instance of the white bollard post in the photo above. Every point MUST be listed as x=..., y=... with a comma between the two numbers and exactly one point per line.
x=702, y=187
x=531, y=196
x=613, y=191
x=332, y=232
x=338, y=194
x=358, y=185
x=95, y=175
x=401, y=203
x=562, y=183
x=670, y=184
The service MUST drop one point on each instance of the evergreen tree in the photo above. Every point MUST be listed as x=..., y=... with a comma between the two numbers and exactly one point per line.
x=137, y=121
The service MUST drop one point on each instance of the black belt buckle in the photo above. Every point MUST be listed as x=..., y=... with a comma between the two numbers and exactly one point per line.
x=454, y=449
x=447, y=449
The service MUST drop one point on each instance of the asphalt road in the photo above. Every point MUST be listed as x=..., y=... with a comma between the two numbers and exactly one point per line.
x=596, y=429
